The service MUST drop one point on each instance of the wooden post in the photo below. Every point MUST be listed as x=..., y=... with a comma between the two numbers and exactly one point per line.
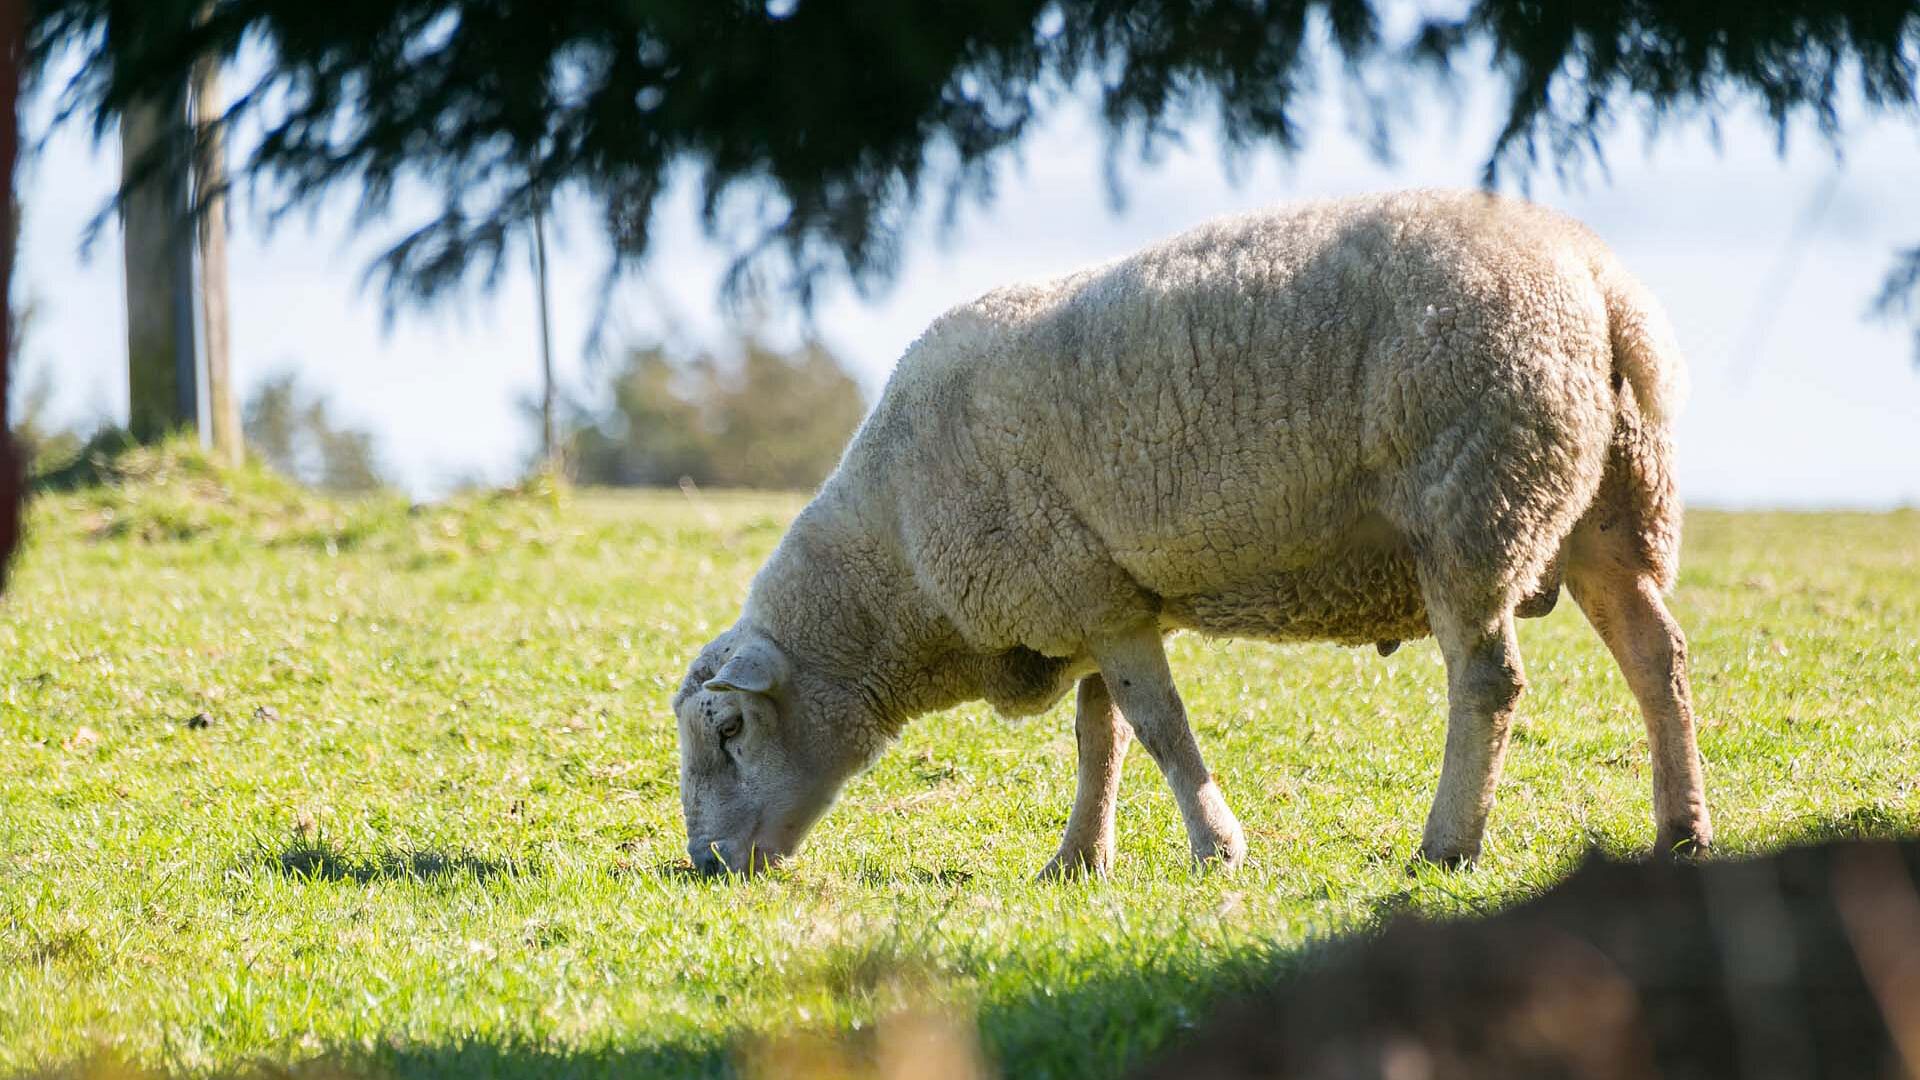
x=549, y=438
x=210, y=199
x=162, y=393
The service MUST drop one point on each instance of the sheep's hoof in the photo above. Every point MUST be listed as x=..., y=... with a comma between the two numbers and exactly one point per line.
x=1223, y=852
x=1447, y=855
x=1387, y=648
x=1683, y=842
x=1068, y=865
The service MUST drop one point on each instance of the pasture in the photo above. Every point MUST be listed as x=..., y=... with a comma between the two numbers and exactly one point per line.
x=393, y=791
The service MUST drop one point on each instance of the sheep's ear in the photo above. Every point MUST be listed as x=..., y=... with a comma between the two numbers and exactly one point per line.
x=756, y=668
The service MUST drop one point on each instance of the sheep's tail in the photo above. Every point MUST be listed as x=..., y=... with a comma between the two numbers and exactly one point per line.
x=1645, y=351
x=1639, y=482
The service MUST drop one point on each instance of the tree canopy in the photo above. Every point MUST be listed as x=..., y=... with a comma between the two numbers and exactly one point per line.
x=815, y=128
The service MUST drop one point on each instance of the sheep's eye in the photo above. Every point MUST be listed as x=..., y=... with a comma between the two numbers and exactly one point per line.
x=729, y=727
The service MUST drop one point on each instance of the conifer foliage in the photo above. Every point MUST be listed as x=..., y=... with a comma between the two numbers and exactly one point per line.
x=814, y=128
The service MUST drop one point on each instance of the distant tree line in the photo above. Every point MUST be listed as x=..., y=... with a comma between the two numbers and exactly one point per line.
x=751, y=415
x=290, y=427
x=760, y=418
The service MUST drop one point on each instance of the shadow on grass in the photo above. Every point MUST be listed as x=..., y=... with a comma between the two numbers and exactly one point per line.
x=1798, y=962
x=1101, y=1028
x=462, y=1059
x=317, y=859
x=682, y=870
x=1679, y=941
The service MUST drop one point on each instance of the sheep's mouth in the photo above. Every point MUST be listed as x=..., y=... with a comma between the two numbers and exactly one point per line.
x=757, y=860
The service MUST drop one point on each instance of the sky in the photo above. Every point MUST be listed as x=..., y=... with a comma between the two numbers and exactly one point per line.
x=1765, y=262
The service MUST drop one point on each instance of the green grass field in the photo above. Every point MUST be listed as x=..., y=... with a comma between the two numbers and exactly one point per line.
x=431, y=827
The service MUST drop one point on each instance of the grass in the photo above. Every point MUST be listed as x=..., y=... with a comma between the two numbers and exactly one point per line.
x=429, y=824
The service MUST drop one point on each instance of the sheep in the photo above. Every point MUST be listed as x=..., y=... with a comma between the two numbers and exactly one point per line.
x=1363, y=421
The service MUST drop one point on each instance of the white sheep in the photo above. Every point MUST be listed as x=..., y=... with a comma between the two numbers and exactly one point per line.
x=1361, y=420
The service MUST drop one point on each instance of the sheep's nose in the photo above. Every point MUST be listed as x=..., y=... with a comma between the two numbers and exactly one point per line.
x=707, y=858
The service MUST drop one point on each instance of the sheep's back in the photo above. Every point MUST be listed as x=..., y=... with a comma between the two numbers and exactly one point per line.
x=1248, y=423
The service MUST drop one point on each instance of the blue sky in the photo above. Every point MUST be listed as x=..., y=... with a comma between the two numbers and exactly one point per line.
x=1765, y=263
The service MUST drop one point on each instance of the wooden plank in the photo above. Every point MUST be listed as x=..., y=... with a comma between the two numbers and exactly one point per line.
x=210, y=194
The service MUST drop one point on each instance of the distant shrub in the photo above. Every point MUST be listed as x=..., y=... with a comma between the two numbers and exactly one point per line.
x=43, y=443
x=766, y=419
x=292, y=428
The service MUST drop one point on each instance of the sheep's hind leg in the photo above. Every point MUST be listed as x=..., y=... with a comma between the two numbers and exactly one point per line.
x=1134, y=667
x=1623, y=603
x=1484, y=681
x=1103, y=735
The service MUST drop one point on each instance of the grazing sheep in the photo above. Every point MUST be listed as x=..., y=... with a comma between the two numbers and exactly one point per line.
x=1361, y=421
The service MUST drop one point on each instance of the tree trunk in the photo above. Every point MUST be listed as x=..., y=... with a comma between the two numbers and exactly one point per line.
x=12, y=44
x=210, y=195
x=549, y=440
x=162, y=395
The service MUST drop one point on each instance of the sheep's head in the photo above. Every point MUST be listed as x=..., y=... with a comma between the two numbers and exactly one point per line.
x=765, y=745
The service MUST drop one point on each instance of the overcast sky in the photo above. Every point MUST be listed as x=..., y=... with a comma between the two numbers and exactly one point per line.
x=1766, y=265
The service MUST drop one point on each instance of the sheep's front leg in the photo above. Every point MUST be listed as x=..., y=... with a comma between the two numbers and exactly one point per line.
x=1134, y=667
x=1087, y=846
